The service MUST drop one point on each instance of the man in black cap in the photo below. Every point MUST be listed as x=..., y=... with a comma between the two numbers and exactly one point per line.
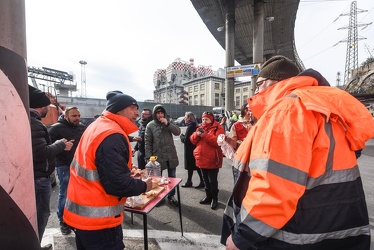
x=100, y=176
x=43, y=152
x=299, y=186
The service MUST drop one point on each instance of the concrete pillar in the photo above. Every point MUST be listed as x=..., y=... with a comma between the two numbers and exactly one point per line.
x=230, y=53
x=258, y=36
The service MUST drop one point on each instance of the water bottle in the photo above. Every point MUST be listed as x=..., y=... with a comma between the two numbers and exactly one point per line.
x=153, y=167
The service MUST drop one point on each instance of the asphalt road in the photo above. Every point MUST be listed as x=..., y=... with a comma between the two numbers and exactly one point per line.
x=199, y=218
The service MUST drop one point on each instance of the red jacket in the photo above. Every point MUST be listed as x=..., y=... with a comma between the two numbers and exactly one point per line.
x=207, y=152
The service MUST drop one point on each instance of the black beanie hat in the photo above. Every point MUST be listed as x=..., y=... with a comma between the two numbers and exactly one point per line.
x=116, y=101
x=37, y=98
x=278, y=68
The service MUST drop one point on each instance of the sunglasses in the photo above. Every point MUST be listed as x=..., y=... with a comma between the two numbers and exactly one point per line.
x=207, y=113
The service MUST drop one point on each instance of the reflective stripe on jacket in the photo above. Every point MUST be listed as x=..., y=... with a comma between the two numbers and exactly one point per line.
x=88, y=206
x=304, y=189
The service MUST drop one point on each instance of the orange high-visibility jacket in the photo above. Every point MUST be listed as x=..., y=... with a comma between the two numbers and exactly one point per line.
x=88, y=206
x=304, y=189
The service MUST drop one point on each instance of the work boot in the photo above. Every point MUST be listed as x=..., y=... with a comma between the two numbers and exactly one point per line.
x=207, y=199
x=65, y=229
x=214, y=203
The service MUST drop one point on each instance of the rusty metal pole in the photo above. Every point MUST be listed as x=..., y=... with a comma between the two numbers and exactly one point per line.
x=258, y=36
x=230, y=54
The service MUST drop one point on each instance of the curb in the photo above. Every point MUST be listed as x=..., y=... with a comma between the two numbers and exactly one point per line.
x=134, y=240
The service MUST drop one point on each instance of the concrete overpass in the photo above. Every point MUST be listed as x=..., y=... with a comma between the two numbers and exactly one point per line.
x=250, y=31
x=261, y=29
x=278, y=26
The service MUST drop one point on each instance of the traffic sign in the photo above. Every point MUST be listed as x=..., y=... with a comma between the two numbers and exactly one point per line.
x=244, y=70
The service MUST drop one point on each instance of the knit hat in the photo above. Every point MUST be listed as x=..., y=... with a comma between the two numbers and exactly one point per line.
x=37, y=98
x=208, y=115
x=116, y=101
x=278, y=68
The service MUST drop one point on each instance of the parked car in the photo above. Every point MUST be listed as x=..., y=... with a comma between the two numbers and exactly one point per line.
x=179, y=121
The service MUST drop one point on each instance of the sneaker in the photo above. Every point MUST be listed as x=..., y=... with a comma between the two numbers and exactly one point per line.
x=65, y=229
x=47, y=247
x=173, y=201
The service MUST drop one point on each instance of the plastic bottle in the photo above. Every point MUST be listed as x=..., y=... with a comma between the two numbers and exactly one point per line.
x=153, y=167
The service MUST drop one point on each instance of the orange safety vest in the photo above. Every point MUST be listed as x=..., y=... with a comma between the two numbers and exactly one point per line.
x=303, y=175
x=88, y=206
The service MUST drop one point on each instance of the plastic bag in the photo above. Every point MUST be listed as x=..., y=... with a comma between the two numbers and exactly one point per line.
x=134, y=201
x=227, y=150
x=153, y=167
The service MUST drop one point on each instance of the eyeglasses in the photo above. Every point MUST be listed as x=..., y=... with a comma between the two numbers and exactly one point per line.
x=260, y=82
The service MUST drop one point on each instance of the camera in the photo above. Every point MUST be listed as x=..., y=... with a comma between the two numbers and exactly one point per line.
x=200, y=130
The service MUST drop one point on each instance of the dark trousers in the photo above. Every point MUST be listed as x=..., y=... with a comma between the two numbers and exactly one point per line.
x=210, y=177
x=141, y=160
x=105, y=239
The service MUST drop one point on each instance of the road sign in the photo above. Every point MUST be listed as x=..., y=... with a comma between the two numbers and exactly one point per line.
x=244, y=70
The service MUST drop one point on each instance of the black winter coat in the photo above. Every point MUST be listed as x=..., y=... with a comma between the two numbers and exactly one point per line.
x=140, y=145
x=189, y=159
x=64, y=129
x=43, y=151
x=112, y=157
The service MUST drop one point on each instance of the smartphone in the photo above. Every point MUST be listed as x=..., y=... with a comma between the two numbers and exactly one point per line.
x=200, y=130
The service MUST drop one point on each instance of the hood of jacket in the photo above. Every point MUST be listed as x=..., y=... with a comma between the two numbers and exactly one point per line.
x=335, y=104
x=156, y=109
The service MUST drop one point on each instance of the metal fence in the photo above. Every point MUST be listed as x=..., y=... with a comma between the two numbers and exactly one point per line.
x=89, y=107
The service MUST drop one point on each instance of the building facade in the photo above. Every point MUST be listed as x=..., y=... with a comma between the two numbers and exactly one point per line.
x=183, y=83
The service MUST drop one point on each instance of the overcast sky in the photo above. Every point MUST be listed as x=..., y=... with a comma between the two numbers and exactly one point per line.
x=125, y=41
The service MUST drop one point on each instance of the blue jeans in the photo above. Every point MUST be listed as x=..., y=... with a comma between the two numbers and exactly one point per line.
x=109, y=238
x=171, y=173
x=63, y=173
x=43, y=190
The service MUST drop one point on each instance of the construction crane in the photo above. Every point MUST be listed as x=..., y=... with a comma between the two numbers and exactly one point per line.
x=56, y=81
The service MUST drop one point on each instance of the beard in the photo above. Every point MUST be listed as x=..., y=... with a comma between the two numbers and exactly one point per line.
x=44, y=112
x=74, y=123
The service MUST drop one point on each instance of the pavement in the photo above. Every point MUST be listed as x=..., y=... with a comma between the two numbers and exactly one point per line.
x=201, y=225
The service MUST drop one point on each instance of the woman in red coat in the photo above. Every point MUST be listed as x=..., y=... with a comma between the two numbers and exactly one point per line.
x=208, y=156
